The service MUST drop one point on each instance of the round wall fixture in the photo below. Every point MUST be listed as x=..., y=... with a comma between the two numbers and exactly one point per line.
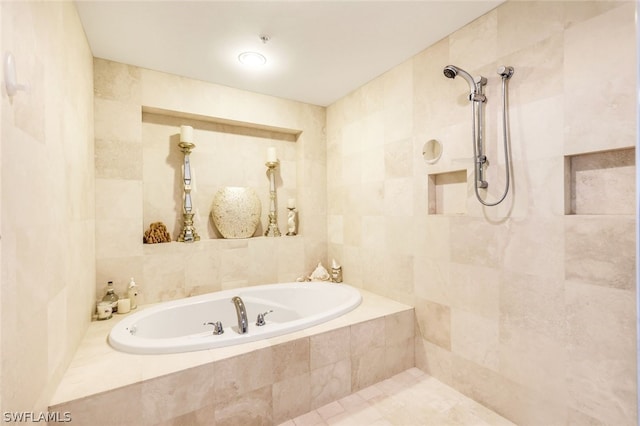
x=432, y=151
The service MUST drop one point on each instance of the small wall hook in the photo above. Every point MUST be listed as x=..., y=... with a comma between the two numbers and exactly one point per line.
x=10, y=79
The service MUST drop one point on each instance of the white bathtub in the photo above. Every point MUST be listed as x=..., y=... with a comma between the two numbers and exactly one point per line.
x=179, y=325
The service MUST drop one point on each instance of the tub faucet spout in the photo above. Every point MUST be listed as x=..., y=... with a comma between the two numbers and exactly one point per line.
x=243, y=324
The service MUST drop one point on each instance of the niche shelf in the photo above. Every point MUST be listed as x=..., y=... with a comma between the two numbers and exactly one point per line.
x=232, y=126
x=600, y=183
x=227, y=153
x=448, y=193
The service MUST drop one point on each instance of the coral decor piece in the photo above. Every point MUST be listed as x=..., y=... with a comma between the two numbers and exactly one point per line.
x=157, y=233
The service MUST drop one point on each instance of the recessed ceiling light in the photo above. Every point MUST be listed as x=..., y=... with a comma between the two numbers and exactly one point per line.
x=252, y=59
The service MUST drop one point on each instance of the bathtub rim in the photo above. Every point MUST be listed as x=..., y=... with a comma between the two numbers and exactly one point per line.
x=123, y=341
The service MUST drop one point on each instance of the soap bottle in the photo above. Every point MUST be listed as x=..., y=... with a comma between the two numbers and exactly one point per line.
x=111, y=297
x=132, y=293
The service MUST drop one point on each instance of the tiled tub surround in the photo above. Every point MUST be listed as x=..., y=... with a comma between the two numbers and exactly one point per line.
x=265, y=382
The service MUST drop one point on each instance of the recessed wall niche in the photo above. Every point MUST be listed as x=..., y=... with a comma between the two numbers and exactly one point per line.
x=448, y=192
x=600, y=183
x=226, y=154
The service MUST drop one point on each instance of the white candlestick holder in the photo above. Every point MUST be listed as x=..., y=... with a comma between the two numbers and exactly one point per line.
x=272, y=228
x=188, y=234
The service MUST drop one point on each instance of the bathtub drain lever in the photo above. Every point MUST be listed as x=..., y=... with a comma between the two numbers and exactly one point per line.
x=260, y=320
x=217, y=327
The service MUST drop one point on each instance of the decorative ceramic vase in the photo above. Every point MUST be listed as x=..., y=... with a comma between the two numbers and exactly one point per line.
x=236, y=211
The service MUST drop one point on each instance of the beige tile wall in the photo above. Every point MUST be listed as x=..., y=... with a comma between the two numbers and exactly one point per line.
x=48, y=262
x=525, y=309
x=137, y=182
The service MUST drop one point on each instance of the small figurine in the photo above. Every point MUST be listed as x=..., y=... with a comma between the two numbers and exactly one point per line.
x=336, y=272
x=292, y=222
x=292, y=217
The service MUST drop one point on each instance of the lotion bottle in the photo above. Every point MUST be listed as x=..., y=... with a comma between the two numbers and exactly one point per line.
x=132, y=293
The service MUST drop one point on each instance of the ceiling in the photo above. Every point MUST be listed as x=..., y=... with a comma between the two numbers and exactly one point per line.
x=318, y=51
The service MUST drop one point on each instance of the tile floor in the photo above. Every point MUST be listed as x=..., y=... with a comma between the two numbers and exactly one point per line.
x=411, y=398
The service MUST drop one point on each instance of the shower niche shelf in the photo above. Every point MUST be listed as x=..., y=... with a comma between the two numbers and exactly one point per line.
x=447, y=192
x=600, y=183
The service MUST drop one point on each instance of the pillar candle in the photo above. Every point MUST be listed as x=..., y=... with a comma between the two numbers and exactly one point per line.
x=291, y=203
x=272, y=157
x=186, y=134
x=124, y=306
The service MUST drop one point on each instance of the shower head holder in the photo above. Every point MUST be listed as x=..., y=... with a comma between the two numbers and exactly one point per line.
x=505, y=71
x=477, y=97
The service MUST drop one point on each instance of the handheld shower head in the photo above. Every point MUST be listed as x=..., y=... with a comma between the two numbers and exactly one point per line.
x=451, y=71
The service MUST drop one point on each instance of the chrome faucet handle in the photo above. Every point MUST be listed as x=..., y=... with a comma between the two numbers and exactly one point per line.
x=217, y=327
x=260, y=320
